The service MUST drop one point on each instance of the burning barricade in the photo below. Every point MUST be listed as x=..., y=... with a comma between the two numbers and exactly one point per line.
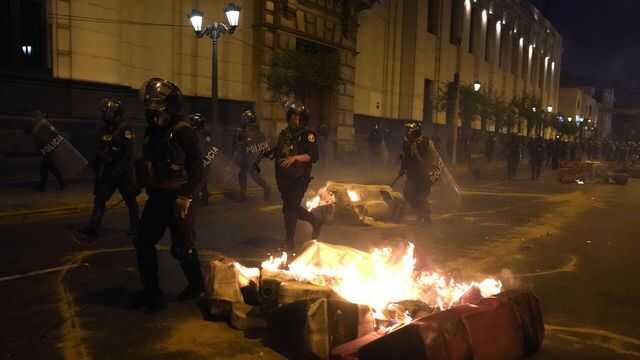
x=338, y=302
x=356, y=203
x=582, y=172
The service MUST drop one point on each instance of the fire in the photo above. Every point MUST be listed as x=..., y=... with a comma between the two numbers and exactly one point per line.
x=322, y=198
x=380, y=278
x=353, y=195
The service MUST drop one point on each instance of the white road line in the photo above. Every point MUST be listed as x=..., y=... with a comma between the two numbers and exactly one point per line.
x=40, y=272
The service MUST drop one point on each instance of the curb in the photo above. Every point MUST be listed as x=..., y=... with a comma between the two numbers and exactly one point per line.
x=65, y=210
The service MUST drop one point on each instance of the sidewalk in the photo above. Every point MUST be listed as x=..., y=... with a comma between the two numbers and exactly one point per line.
x=20, y=200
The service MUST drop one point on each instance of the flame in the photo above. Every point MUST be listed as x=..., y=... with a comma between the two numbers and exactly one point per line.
x=353, y=195
x=275, y=263
x=380, y=278
x=322, y=198
x=313, y=203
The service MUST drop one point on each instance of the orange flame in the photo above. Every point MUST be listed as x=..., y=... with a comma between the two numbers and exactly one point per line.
x=353, y=195
x=378, y=279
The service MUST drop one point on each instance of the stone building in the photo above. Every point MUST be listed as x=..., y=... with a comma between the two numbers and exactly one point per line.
x=394, y=55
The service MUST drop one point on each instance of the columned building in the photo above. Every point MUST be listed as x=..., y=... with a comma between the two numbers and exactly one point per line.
x=394, y=55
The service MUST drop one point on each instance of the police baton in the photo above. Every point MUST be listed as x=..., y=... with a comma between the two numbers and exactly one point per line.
x=396, y=179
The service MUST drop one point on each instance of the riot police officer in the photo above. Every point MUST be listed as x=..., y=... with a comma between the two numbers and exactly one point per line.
x=47, y=164
x=536, y=156
x=250, y=144
x=113, y=167
x=206, y=142
x=417, y=163
x=294, y=155
x=171, y=172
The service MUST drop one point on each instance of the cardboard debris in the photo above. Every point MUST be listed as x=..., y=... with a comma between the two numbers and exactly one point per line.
x=311, y=328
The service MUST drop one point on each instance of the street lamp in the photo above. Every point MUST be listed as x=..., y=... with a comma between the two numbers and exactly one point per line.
x=214, y=31
x=476, y=86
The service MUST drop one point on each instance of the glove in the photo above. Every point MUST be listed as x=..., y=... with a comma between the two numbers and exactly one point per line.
x=182, y=206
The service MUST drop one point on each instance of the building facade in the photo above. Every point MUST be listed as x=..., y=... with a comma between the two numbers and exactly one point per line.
x=581, y=104
x=394, y=55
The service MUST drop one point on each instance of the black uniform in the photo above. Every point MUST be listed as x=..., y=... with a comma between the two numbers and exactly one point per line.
x=417, y=163
x=172, y=171
x=46, y=166
x=512, y=153
x=206, y=143
x=250, y=145
x=293, y=181
x=536, y=156
x=114, y=169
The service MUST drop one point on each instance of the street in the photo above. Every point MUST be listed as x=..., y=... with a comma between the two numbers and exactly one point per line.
x=574, y=246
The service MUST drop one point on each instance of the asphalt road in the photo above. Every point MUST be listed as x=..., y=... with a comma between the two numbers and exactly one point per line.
x=575, y=246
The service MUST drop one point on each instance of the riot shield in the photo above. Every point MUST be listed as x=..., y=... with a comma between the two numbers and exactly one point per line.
x=441, y=175
x=62, y=154
x=224, y=170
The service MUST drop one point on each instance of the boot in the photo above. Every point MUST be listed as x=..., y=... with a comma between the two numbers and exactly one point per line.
x=192, y=271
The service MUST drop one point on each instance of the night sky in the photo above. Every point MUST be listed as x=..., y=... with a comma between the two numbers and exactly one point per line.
x=601, y=43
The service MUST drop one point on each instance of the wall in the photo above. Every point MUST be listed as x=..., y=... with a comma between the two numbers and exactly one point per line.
x=126, y=42
x=393, y=64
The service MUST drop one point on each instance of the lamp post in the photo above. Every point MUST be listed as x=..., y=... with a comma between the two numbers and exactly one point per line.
x=214, y=31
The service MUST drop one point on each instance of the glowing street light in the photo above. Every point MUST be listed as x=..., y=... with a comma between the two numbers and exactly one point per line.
x=214, y=31
x=476, y=86
x=549, y=108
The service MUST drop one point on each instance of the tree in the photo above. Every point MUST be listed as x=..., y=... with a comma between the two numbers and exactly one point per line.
x=529, y=107
x=564, y=126
x=304, y=74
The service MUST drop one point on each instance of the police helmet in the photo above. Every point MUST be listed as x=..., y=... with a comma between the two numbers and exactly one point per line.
x=111, y=111
x=413, y=127
x=249, y=117
x=299, y=109
x=161, y=95
x=197, y=121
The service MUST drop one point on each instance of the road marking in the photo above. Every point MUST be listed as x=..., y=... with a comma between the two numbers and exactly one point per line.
x=270, y=208
x=569, y=267
x=614, y=342
x=506, y=194
x=39, y=272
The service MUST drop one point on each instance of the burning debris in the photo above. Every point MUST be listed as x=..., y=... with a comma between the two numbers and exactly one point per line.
x=592, y=172
x=356, y=203
x=332, y=295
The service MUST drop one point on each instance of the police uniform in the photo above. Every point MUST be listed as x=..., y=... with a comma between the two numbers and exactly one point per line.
x=293, y=181
x=114, y=170
x=536, y=156
x=172, y=171
x=417, y=162
x=46, y=163
x=251, y=144
x=206, y=145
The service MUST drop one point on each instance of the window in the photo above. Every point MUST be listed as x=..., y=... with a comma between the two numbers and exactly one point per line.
x=503, y=46
x=5, y=33
x=542, y=72
x=427, y=107
x=456, y=22
x=433, y=16
x=515, y=48
x=489, y=39
x=472, y=29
